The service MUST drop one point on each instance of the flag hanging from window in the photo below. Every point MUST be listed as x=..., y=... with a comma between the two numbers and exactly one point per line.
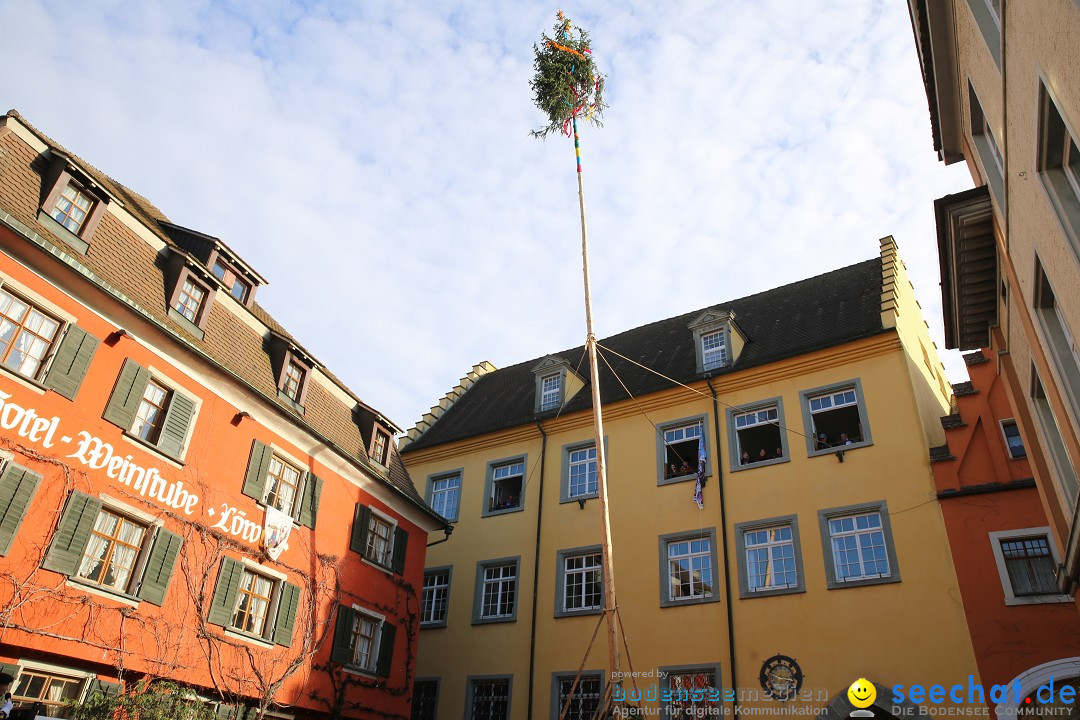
x=700, y=482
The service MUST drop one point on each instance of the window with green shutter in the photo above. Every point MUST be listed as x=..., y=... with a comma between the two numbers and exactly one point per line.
x=18, y=486
x=363, y=641
x=150, y=410
x=243, y=600
x=379, y=539
x=109, y=546
x=273, y=479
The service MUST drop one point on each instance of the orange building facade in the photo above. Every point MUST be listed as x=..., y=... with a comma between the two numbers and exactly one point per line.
x=1022, y=628
x=185, y=492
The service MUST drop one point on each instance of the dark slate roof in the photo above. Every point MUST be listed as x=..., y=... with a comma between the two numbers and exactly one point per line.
x=823, y=311
x=975, y=358
x=952, y=421
x=961, y=389
x=127, y=263
x=941, y=453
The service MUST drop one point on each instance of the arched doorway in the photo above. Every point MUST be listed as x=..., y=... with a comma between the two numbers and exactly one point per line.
x=1061, y=672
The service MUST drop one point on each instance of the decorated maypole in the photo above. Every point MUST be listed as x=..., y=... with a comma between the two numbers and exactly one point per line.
x=567, y=86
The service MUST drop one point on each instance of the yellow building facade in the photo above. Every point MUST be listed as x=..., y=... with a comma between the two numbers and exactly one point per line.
x=823, y=562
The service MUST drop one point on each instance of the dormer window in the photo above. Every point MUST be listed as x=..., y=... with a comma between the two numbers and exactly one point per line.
x=190, y=300
x=72, y=208
x=550, y=392
x=191, y=291
x=73, y=204
x=238, y=288
x=292, y=369
x=294, y=381
x=380, y=445
x=713, y=350
x=717, y=341
x=556, y=384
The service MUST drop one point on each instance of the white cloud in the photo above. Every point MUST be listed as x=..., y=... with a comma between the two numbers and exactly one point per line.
x=373, y=160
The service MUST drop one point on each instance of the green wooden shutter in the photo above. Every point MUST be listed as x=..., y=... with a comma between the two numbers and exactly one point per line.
x=125, y=397
x=341, y=652
x=174, y=429
x=309, y=503
x=386, y=649
x=71, y=537
x=286, y=614
x=255, y=478
x=160, y=566
x=17, y=488
x=401, y=542
x=361, y=520
x=71, y=362
x=223, y=603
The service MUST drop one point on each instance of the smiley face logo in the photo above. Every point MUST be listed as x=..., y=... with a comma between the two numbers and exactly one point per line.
x=862, y=693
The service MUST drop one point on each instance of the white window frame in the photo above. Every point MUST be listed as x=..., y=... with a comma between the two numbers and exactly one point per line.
x=492, y=476
x=359, y=613
x=1005, y=438
x=56, y=671
x=713, y=356
x=550, y=391
x=582, y=459
x=881, y=509
x=287, y=461
x=276, y=578
x=749, y=416
x=1010, y=596
x=806, y=400
x=710, y=554
x=437, y=494
x=771, y=546
x=563, y=558
x=663, y=441
x=378, y=517
x=482, y=581
x=425, y=621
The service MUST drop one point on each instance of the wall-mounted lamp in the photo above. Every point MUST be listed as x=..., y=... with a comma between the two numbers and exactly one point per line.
x=839, y=455
x=240, y=416
x=114, y=337
x=581, y=503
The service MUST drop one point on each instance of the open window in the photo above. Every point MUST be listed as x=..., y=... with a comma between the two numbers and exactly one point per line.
x=756, y=434
x=504, y=485
x=835, y=417
x=679, y=445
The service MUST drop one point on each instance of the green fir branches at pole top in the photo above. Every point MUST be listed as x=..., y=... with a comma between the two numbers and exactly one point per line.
x=567, y=84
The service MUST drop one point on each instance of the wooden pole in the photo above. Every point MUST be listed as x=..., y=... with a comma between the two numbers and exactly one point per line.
x=598, y=430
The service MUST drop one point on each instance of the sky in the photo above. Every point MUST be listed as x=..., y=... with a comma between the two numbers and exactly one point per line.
x=373, y=160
